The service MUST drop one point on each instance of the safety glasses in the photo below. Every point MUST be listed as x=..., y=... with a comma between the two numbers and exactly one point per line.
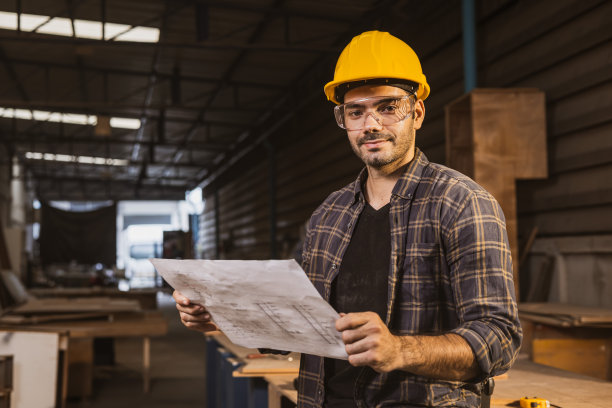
x=385, y=110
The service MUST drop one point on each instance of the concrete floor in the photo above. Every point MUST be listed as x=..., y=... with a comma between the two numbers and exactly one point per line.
x=177, y=370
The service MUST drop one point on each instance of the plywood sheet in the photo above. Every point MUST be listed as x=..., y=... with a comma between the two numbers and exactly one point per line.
x=35, y=365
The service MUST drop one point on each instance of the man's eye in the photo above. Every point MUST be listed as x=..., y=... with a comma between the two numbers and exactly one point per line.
x=387, y=109
x=354, y=114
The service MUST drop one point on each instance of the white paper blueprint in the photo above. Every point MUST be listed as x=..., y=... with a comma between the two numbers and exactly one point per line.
x=259, y=304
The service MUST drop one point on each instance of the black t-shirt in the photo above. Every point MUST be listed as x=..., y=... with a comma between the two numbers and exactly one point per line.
x=361, y=285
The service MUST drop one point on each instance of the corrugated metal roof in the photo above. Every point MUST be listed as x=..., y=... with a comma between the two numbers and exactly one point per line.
x=196, y=97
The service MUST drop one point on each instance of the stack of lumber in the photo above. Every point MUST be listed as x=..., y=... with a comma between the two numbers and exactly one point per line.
x=566, y=315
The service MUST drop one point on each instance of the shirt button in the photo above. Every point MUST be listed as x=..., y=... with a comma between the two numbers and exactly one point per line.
x=334, y=266
x=320, y=392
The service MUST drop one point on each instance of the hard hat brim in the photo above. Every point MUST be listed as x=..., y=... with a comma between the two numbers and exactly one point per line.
x=330, y=87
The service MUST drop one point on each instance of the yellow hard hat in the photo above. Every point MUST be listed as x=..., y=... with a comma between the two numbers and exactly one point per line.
x=377, y=55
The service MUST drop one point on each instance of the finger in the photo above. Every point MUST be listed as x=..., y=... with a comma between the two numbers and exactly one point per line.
x=201, y=318
x=179, y=298
x=360, y=359
x=193, y=308
x=354, y=320
x=360, y=346
x=352, y=336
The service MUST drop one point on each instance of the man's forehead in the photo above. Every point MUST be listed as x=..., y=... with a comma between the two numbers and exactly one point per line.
x=368, y=91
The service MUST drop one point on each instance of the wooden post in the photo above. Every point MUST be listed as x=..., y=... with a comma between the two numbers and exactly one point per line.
x=146, y=364
x=496, y=136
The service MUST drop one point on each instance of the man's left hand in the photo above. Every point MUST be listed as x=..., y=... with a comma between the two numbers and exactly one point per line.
x=369, y=342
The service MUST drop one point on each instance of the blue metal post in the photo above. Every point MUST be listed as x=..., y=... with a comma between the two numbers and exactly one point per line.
x=469, y=45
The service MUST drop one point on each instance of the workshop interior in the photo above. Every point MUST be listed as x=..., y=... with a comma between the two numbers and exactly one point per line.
x=200, y=130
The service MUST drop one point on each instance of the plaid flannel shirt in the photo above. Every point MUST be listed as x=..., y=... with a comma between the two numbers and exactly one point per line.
x=450, y=271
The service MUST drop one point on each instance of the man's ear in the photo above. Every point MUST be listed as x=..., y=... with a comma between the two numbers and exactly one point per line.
x=419, y=113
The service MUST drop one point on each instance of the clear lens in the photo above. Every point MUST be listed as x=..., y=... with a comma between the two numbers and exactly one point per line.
x=386, y=110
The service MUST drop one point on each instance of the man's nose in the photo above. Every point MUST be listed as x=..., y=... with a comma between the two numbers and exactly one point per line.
x=372, y=121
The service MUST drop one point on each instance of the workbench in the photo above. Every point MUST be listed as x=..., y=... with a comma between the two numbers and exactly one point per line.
x=526, y=378
x=562, y=388
x=236, y=376
x=76, y=345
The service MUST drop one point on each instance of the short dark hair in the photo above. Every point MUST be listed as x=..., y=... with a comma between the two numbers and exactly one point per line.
x=408, y=86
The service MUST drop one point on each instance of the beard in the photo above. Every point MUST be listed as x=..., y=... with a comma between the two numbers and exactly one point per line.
x=401, y=146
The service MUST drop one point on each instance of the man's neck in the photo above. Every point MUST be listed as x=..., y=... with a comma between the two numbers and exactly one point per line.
x=381, y=181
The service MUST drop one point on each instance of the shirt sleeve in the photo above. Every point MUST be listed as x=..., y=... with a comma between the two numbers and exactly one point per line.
x=480, y=265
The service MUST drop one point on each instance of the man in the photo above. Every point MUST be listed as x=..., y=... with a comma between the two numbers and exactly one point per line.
x=413, y=254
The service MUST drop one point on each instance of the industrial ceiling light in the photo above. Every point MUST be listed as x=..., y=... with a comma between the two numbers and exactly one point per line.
x=82, y=28
x=68, y=158
x=72, y=118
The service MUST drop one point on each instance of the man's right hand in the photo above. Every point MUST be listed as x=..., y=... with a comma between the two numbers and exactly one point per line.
x=193, y=316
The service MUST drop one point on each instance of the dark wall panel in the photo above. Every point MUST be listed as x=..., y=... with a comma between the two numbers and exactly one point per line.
x=562, y=48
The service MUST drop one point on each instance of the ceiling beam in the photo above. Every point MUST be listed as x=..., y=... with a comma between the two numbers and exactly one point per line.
x=220, y=46
x=55, y=164
x=115, y=181
x=141, y=73
x=21, y=138
x=152, y=115
x=115, y=109
x=275, y=11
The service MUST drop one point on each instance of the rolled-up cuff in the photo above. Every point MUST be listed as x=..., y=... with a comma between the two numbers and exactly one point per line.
x=479, y=337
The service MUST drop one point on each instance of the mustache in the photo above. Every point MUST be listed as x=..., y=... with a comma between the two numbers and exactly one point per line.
x=368, y=137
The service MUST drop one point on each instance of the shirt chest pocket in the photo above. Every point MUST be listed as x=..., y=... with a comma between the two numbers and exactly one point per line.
x=420, y=276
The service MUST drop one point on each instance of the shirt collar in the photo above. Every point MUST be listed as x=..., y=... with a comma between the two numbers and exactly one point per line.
x=405, y=186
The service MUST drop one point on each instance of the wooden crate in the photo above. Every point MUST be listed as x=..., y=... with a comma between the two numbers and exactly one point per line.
x=496, y=136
